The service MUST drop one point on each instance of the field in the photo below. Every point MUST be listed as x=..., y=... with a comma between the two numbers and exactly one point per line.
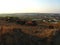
x=31, y=30
x=28, y=33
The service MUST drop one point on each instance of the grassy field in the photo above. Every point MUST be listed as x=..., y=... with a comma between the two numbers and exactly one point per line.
x=34, y=35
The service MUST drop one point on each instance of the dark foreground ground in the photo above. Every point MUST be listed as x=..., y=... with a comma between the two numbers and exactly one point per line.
x=17, y=37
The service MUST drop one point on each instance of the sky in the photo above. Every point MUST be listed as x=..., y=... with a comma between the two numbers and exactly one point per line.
x=29, y=6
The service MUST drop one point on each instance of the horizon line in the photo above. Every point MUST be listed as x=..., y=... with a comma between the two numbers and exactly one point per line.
x=29, y=12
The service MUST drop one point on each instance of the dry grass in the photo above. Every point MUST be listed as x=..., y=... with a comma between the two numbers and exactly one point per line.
x=31, y=30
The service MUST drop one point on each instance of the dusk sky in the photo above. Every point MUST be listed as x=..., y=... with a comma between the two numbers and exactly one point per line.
x=29, y=6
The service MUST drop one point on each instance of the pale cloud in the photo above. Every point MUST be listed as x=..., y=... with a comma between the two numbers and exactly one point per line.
x=13, y=6
x=22, y=6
